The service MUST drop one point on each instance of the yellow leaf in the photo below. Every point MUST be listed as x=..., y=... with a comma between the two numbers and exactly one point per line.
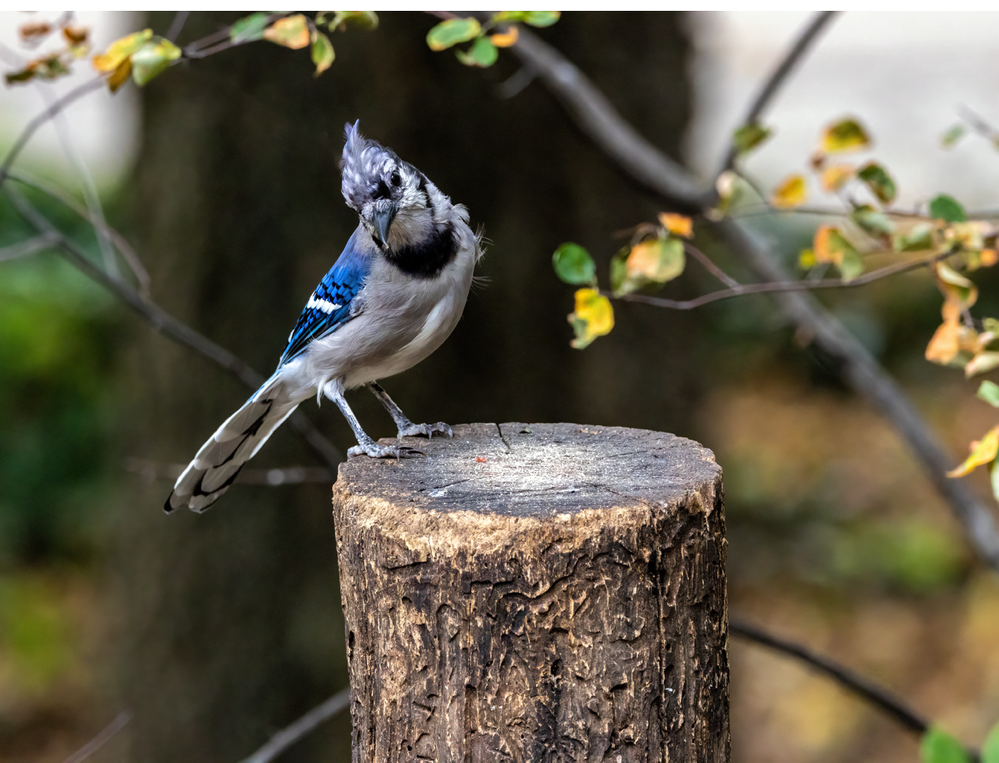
x=505, y=39
x=593, y=317
x=956, y=288
x=120, y=75
x=791, y=193
x=846, y=135
x=833, y=178
x=291, y=32
x=121, y=50
x=678, y=225
x=982, y=452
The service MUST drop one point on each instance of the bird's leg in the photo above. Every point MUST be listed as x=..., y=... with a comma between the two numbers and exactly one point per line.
x=406, y=427
x=334, y=391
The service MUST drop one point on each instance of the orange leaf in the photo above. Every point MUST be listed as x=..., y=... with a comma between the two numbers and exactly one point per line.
x=833, y=178
x=982, y=452
x=505, y=39
x=945, y=344
x=291, y=32
x=989, y=258
x=678, y=225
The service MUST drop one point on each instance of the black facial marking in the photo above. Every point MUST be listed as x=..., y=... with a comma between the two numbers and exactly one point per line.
x=383, y=191
x=429, y=258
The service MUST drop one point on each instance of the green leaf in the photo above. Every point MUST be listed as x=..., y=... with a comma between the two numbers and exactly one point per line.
x=938, y=746
x=989, y=392
x=573, y=264
x=451, y=32
x=845, y=135
x=948, y=209
x=322, y=53
x=994, y=479
x=657, y=260
x=990, y=748
x=152, y=59
x=619, y=272
x=750, y=136
x=482, y=53
x=541, y=18
x=952, y=136
x=919, y=238
x=361, y=19
x=250, y=28
x=871, y=221
x=879, y=181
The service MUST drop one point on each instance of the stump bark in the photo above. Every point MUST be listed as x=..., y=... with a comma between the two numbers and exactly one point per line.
x=536, y=592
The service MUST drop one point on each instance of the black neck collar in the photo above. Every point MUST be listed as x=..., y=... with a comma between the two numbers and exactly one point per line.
x=427, y=259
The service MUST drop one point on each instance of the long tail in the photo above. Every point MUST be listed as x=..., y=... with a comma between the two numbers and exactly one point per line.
x=218, y=462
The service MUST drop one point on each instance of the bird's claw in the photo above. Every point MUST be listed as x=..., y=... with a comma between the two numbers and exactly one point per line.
x=384, y=451
x=426, y=430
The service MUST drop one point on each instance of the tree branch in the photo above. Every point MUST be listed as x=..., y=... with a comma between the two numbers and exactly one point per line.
x=165, y=323
x=101, y=739
x=300, y=728
x=859, y=685
x=740, y=290
x=780, y=74
x=637, y=158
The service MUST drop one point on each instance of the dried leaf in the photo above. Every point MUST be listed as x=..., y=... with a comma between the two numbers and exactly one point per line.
x=846, y=135
x=120, y=75
x=835, y=177
x=678, y=225
x=592, y=317
x=657, y=260
x=956, y=288
x=75, y=35
x=830, y=245
x=291, y=32
x=791, y=193
x=505, y=39
x=120, y=50
x=945, y=343
x=988, y=258
x=34, y=31
x=982, y=452
x=452, y=32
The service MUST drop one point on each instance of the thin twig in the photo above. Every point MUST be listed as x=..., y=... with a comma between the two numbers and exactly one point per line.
x=101, y=739
x=859, y=685
x=167, y=324
x=177, y=25
x=709, y=264
x=41, y=119
x=300, y=728
x=120, y=242
x=151, y=471
x=27, y=247
x=740, y=290
x=637, y=158
x=780, y=74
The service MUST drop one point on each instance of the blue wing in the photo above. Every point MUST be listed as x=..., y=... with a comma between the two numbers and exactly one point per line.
x=332, y=303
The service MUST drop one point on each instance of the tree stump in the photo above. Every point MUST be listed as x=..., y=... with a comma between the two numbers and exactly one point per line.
x=536, y=592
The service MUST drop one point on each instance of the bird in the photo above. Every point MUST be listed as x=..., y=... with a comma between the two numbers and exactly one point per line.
x=393, y=296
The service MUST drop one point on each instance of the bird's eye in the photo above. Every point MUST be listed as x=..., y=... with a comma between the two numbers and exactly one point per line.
x=396, y=179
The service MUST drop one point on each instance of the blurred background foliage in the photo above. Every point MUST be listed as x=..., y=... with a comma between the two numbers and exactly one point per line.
x=215, y=630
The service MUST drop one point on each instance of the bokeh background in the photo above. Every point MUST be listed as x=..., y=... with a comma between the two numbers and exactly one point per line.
x=215, y=630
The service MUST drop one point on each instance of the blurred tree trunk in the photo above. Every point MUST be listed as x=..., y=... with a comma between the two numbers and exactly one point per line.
x=229, y=624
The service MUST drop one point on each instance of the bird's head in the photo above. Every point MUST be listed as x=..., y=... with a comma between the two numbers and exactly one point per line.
x=392, y=197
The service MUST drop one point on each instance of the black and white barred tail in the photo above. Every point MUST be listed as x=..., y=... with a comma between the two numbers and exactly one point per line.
x=219, y=460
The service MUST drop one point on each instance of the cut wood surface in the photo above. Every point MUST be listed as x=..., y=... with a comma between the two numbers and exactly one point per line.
x=536, y=592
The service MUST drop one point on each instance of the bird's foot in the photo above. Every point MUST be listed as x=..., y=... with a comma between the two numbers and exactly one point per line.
x=426, y=430
x=383, y=451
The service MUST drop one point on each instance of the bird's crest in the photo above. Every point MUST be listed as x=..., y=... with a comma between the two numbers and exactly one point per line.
x=361, y=166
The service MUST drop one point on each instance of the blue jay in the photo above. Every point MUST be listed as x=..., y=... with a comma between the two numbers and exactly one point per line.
x=392, y=298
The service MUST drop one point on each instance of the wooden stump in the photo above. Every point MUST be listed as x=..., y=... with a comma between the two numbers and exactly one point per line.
x=536, y=592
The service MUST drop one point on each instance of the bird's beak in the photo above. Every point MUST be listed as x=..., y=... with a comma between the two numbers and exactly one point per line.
x=383, y=222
